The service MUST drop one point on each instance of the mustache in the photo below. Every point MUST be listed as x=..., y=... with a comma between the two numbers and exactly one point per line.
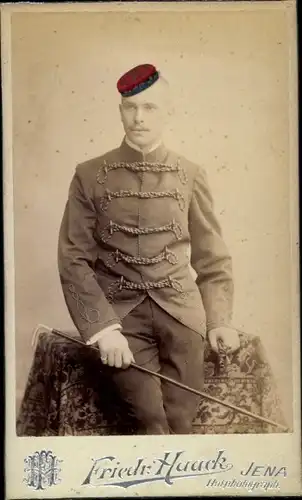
x=139, y=129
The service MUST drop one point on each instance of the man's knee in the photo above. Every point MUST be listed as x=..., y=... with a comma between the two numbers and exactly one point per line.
x=151, y=420
x=180, y=423
x=180, y=415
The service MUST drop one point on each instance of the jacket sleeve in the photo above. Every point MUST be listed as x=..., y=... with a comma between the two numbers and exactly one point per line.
x=77, y=253
x=209, y=256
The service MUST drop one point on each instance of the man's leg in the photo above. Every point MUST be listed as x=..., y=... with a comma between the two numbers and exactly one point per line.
x=182, y=359
x=141, y=392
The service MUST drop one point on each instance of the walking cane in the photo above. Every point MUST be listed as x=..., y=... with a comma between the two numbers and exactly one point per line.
x=42, y=328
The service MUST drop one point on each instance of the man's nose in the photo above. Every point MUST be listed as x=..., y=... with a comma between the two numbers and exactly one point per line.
x=138, y=116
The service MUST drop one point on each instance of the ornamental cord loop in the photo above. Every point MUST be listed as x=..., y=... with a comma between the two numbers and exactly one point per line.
x=114, y=227
x=143, y=286
x=128, y=193
x=84, y=311
x=142, y=166
x=117, y=256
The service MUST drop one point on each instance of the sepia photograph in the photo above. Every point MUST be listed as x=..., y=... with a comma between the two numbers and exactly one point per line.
x=151, y=244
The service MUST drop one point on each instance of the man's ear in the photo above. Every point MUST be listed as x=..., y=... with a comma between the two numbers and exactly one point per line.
x=169, y=114
x=170, y=108
x=171, y=111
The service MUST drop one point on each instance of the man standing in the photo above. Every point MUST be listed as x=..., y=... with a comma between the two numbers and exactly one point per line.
x=135, y=219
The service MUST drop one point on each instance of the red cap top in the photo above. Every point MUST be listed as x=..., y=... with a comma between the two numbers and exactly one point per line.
x=137, y=79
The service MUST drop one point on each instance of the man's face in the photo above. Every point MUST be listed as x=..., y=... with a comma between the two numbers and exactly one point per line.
x=145, y=114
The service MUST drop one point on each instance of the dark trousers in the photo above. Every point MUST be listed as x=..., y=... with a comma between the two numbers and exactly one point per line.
x=162, y=344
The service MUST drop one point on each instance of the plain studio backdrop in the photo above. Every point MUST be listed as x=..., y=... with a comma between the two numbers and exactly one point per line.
x=229, y=80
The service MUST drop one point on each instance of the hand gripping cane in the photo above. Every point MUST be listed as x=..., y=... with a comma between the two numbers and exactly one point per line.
x=43, y=328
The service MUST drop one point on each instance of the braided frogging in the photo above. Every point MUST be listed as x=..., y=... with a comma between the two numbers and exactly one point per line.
x=128, y=193
x=141, y=166
x=114, y=227
x=142, y=286
x=115, y=257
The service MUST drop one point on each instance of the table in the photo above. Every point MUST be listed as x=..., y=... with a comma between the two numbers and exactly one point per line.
x=69, y=394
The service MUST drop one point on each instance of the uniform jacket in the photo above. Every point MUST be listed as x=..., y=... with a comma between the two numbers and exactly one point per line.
x=132, y=226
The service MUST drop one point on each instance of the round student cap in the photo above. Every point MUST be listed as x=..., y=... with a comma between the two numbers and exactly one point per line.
x=137, y=79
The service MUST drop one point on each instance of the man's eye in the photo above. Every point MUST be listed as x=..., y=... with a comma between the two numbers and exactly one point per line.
x=129, y=106
x=149, y=107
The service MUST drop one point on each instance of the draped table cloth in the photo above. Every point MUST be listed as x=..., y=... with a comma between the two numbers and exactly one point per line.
x=68, y=393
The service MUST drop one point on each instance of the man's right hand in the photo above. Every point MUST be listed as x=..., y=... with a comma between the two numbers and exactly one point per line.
x=114, y=350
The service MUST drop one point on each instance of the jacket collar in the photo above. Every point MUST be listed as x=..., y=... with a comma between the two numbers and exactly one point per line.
x=131, y=154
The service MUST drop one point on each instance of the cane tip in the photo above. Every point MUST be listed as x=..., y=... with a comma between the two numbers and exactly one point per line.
x=37, y=330
x=44, y=328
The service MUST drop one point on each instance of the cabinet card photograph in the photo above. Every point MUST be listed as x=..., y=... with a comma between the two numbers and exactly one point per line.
x=151, y=249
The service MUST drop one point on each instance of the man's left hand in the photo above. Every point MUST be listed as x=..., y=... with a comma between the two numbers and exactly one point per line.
x=226, y=336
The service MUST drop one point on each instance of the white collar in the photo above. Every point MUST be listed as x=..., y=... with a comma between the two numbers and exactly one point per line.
x=137, y=148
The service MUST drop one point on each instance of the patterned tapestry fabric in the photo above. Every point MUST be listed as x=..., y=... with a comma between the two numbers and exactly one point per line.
x=68, y=393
